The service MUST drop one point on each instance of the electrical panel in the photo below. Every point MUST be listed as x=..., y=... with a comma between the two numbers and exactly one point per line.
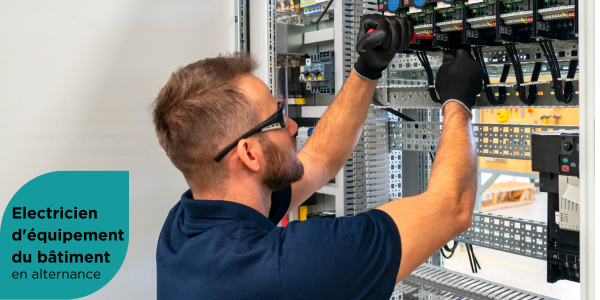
x=318, y=73
x=529, y=52
x=556, y=156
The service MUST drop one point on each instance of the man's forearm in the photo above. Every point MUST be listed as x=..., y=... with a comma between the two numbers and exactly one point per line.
x=338, y=131
x=454, y=172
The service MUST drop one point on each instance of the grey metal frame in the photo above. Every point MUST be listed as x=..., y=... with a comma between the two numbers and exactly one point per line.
x=241, y=25
x=588, y=31
x=272, y=4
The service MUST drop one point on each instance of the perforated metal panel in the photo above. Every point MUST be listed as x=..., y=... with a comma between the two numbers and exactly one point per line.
x=512, y=235
x=431, y=282
x=415, y=95
x=493, y=140
x=367, y=185
x=508, y=140
x=367, y=171
x=395, y=169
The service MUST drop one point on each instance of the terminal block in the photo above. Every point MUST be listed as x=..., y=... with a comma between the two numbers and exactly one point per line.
x=318, y=73
x=556, y=156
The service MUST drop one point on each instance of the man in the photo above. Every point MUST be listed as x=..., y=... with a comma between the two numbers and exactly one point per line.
x=223, y=129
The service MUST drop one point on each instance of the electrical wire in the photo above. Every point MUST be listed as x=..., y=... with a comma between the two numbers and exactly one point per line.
x=527, y=99
x=422, y=56
x=486, y=79
x=451, y=250
x=475, y=261
x=324, y=11
x=394, y=112
x=470, y=260
x=566, y=95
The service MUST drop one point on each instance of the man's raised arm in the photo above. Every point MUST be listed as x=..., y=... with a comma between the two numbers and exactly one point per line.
x=428, y=221
x=338, y=131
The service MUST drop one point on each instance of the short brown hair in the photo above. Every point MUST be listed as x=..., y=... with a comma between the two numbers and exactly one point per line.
x=200, y=111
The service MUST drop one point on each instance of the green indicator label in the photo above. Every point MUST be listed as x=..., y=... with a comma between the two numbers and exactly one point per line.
x=565, y=160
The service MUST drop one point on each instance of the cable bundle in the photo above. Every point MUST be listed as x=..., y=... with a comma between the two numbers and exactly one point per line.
x=486, y=79
x=474, y=262
x=451, y=250
x=562, y=96
x=527, y=99
x=430, y=84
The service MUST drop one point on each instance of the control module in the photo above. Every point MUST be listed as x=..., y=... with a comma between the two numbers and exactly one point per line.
x=555, y=154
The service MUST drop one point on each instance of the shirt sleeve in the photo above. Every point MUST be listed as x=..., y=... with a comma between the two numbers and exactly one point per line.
x=342, y=258
x=280, y=203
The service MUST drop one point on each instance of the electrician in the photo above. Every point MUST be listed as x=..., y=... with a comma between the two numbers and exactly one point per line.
x=222, y=128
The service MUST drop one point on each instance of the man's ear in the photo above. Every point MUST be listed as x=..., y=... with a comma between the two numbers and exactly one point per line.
x=249, y=151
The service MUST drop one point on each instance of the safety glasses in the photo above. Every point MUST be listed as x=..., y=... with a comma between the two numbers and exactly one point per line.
x=276, y=121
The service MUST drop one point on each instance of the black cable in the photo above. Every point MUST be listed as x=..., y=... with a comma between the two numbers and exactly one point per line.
x=422, y=56
x=324, y=12
x=476, y=265
x=526, y=98
x=470, y=261
x=451, y=250
x=566, y=95
x=486, y=79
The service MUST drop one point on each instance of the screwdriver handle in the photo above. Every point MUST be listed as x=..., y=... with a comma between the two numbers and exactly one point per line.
x=415, y=36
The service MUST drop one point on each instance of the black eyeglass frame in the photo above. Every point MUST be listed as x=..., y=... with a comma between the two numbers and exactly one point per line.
x=276, y=121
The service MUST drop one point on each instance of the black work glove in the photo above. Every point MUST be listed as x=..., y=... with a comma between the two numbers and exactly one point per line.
x=459, y=79
x=378, y=48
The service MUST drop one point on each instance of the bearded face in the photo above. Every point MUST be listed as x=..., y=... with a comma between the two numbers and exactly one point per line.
x=283, y=167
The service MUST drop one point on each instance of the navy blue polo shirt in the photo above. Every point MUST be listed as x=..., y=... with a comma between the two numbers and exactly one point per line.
x=224, y=250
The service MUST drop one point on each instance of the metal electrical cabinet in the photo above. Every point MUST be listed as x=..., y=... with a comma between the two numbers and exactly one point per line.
x=534, y=55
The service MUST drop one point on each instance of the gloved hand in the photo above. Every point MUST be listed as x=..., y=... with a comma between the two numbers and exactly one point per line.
x=378, y=48
x=459, y=79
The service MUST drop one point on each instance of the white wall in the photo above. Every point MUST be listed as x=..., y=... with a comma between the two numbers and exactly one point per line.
x=76, y=81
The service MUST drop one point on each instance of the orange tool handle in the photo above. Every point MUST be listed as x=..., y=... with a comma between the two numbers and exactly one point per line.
x=415, y=36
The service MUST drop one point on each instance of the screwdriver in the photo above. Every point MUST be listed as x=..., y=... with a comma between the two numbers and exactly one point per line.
x=414, y=38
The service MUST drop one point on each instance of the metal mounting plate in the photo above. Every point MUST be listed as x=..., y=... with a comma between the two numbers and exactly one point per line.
x=508, y=234
x=493, y=140
x=417, y=96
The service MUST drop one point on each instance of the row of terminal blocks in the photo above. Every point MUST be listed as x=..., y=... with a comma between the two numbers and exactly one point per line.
x=502, y=20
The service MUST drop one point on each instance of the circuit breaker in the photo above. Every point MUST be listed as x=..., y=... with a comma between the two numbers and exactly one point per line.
x=318, y=73
x=555, y=154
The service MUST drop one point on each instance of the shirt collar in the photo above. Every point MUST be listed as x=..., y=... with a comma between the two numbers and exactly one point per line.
x=220, y=209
